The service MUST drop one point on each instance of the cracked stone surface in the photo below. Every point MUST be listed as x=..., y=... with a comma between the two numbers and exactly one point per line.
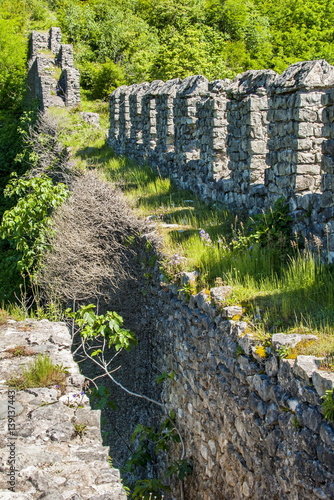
x=52, y=461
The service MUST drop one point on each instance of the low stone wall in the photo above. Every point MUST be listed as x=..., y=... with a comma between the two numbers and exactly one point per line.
x=244, y=143
x=252, y=425
x=42, y=454
x=52, y=77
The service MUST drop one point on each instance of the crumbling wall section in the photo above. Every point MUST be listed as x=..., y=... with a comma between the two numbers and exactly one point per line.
x=52, y=78
x=244, y=143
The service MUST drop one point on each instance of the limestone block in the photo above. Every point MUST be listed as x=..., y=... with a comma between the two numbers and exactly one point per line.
x=322, y=381
x=305, y=366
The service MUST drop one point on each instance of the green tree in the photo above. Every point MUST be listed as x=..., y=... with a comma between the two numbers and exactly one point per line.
x=26, y=225
x=195, y=50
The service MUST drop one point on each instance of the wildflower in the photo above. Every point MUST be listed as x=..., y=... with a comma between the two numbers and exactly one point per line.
x=205, y=237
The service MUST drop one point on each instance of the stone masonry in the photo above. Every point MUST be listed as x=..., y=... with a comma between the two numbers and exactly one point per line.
x=243, y=143
x=52, y=78
x=252, y=422
x=39, y=435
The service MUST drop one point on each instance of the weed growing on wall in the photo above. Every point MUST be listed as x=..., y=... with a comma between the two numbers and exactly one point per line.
x=41, y=372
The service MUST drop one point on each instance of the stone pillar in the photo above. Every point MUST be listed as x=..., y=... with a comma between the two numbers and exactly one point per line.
x=72, y=86
x=55, y=40
x=124, y=120
x=211, y=139
x=136, y=149
x=65, y=59
x=187, y=152
x=149, y=120
x=165, y=137
x=38, y=41
x=114, y=129
x=247, y=139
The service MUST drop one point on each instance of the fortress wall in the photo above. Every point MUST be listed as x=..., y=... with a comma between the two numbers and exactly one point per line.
x=243, y=143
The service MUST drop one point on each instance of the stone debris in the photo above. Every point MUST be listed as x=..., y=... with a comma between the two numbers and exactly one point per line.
x=92, y=118
x=56, y=442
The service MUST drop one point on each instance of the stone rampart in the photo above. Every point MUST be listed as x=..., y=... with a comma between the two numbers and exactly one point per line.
x=52, y=78
x=243, y=143
x=252, y=422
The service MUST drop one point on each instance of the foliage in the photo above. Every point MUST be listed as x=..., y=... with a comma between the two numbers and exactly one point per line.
x=108, y=326
x=41, y=372
x=26, y=225
x=149, y=442
x=328, y=405
x=145, y=488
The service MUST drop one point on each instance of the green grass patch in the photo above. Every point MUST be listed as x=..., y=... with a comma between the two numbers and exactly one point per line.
x=41, y=372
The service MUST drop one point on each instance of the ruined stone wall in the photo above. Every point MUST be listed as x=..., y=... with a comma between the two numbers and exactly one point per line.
x=43, y=453
x=243, y=143
x=252, y=424
x=52, y=78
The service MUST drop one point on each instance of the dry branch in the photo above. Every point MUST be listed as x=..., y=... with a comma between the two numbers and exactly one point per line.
x=87, y=247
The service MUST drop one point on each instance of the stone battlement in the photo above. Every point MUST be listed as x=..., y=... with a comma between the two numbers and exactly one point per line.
x=243, y=143
x=52, y=77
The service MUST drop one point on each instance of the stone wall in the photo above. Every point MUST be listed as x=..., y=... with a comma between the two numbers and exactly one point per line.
x=243, y=143
x=52, y=77
x=252, y=423
x=43, y=455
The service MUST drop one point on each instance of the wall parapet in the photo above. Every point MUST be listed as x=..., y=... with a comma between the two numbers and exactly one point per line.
x=50, y=437
x=52, y=77
x=243, y=143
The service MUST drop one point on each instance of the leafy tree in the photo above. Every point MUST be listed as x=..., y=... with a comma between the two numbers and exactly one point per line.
x=195, y=50
x=25, y=226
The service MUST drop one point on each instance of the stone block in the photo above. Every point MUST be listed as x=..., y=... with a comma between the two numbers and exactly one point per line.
x=305, y=366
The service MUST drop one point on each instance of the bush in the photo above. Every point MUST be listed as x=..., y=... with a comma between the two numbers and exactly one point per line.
x=87, y=246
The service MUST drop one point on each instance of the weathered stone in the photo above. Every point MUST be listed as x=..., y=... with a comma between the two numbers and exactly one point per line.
x=231, y=312
x=293, y=339
x=42, y=84
x=56, y=442
x=305, y=366
x=219, y=293
x=92, y=118
x=322, y=381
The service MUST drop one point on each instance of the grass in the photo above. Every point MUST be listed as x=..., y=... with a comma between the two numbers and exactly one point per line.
x=41, y=372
